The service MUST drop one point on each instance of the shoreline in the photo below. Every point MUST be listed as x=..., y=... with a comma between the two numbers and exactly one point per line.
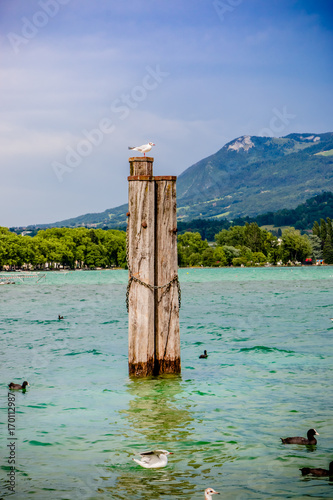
x=67, y=271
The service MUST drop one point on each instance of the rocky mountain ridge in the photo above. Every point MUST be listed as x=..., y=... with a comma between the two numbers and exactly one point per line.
x=248, y=176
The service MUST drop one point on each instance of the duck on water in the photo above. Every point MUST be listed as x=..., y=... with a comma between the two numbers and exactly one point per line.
x=318, y=472
x=18, y=387
x=301, y=440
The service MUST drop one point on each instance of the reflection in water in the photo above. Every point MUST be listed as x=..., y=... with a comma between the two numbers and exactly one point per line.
x=154, y=483
x=161, y=419
x=161, y=416
x=157, y=411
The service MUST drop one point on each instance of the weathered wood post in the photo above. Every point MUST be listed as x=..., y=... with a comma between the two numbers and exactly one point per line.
x=153, y=294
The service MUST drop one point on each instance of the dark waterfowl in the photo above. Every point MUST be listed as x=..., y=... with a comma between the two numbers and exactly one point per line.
x=301, y=440
x=18, y=387
x=204, y=355
x=60, y=317
x=318, y=472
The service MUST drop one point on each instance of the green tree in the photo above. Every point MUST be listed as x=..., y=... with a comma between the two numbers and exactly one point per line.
x=254, y=237
x=328, y=244
x=295, y=247
x=11, y=249
x=246, y=254
x=115, y=244
x=323, y=233
x=258, y=258
x=230, y=237
x=230, y=253
x=328, y=251
x=53, y=251
x=323, y=230
x=275, y=254
x=240, y=261
x=316, y=229
x=208, y=259
x=250, y=236
x=329, y=228
x=195, y=259
x=95, y=256
x=220, y=257
x=315, y=242
x=190, y=244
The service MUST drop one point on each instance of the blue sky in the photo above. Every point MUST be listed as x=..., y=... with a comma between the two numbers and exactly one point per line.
x=81, y=81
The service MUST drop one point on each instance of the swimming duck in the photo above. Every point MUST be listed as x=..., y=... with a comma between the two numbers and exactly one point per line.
x=60, y=317
x=301, y=440
x=318, y=472
x=209, y=492
x=153, y=459
x=204, y=355
x=18, y=387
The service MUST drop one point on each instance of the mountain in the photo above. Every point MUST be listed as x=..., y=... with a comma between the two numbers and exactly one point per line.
x=247, y=177
x=112, y=216
x=253, y=175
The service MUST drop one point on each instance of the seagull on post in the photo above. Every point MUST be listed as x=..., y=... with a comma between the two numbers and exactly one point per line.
x=144, y=148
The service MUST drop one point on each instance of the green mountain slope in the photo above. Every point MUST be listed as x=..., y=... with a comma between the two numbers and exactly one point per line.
x=247, y=177
x=253, y=175
x=302, y=217
x=111, y=217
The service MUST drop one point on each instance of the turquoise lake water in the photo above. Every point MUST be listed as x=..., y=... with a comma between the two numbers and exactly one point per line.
x=269, y=338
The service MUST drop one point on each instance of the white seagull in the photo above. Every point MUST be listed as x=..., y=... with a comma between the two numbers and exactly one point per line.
x=153, y=459
x=209, y=492
x=143, y=149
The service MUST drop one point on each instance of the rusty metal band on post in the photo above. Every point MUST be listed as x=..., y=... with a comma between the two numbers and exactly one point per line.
x=152, y=178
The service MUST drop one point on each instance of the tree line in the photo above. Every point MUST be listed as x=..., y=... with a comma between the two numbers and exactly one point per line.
x=63, y=247
x=302, y=218
x=322, y=238
x=247, y=245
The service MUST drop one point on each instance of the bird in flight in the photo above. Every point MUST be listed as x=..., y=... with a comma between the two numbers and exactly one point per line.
x=144, y=148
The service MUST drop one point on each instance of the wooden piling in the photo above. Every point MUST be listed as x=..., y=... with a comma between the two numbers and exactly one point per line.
x=153, y=299
x=167, y=338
